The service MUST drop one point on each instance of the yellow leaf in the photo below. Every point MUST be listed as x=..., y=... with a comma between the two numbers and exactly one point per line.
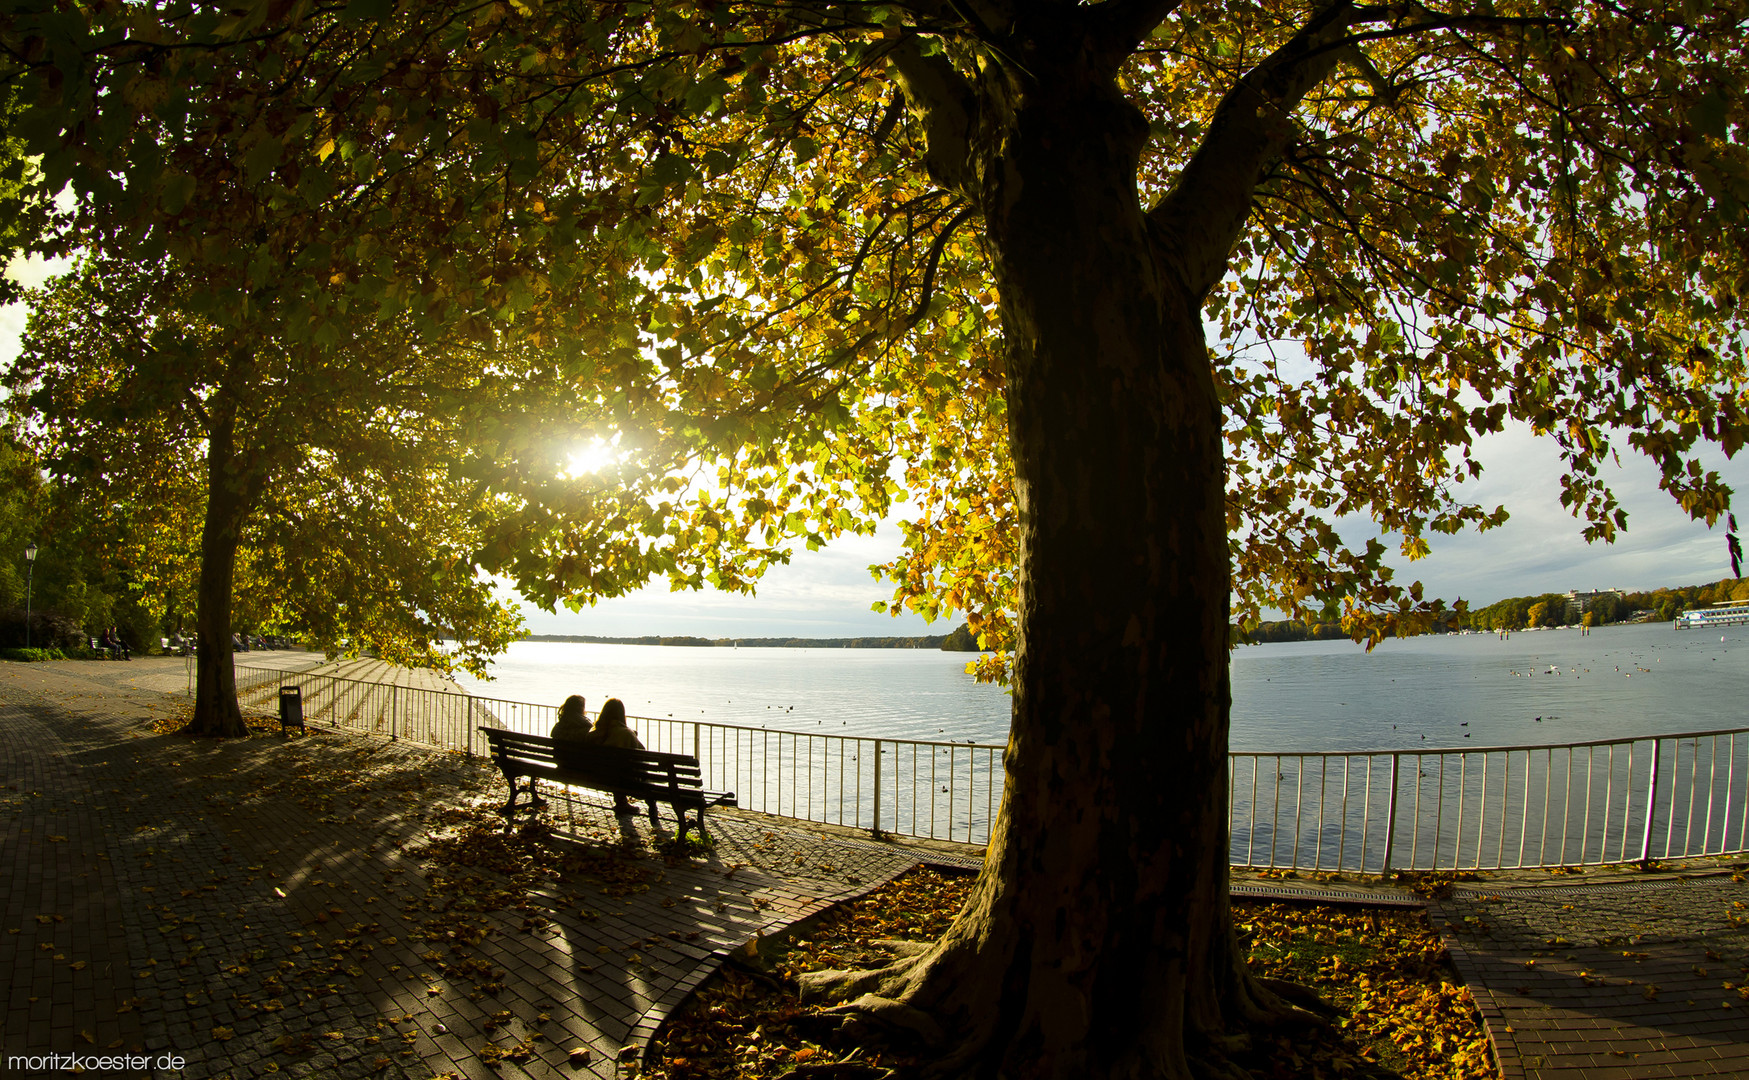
x=325, y=149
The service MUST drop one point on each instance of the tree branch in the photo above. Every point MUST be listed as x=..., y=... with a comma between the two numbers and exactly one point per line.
x=1200, y=218
x=944, y=103
x=935, y=249
x=1383, y=89
x=1120, y=25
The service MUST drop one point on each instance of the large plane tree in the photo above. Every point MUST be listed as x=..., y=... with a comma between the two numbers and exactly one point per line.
x=1139, y=298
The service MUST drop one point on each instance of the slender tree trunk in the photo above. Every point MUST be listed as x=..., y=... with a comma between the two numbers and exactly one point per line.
x=227, y=505
x=1098, y=941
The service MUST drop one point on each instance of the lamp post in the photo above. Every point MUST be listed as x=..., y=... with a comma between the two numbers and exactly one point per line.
x=29, y=580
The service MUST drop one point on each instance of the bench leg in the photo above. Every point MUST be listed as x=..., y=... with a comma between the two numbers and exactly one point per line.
x=686, y=824
x=655, y=819
x=534, y=799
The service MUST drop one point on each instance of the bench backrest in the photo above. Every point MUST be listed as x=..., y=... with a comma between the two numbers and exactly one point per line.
x=610, y=766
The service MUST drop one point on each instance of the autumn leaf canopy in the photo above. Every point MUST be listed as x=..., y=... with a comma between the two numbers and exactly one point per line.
x=710, y=243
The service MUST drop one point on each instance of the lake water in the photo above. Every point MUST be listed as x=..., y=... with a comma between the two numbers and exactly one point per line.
x=1549, y=686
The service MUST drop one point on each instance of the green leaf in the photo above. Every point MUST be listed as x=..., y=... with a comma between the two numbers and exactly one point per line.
x=1708, y=114
x=175, y=193
x=358, y=11
x=261, y=159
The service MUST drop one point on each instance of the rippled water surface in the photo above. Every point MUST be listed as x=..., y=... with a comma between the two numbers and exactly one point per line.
x=1452, y=690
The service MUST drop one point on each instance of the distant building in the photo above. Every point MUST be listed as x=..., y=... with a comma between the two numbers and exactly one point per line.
x=1578, y=602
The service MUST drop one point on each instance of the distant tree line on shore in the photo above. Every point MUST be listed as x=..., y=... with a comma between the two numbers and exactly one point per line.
x=1654, y=605
x=1290, y=630
x=1544, y=610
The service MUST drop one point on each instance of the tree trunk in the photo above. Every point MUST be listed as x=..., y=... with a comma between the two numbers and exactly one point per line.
x=1098, y=941
x=227, y=505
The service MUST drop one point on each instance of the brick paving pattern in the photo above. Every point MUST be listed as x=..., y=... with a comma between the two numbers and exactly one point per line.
x=259, y=907
x=1616, y=981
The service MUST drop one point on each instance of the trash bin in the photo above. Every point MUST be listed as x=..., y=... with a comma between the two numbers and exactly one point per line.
x=291, y=707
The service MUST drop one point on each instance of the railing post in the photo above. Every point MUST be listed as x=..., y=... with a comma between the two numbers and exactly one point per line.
x=876, y=831
x=695, y=742
x=1651, y=803
x=394, y=697
x=1391, y=816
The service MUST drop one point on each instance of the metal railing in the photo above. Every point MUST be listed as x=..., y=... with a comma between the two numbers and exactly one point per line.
x=1616, y=800
x=942, y=790
x=1560, y=804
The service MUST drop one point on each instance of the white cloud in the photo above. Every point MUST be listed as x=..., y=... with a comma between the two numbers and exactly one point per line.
x=827, y=593
x=1541, y=549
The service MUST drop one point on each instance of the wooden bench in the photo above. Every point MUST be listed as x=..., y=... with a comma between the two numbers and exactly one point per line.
x=653, y=777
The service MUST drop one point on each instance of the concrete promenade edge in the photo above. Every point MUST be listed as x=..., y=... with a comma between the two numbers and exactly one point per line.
x=256, y=907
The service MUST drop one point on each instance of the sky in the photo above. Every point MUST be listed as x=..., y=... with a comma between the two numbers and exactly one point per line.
x=828, y=593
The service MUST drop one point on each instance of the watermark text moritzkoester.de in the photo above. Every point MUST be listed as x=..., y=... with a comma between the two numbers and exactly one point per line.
x=91, y=1062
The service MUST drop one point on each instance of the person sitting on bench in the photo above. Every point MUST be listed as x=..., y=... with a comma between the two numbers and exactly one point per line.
x=572, y=728
x=610, y=730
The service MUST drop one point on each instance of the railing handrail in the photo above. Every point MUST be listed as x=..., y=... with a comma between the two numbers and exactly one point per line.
x=1500, y=748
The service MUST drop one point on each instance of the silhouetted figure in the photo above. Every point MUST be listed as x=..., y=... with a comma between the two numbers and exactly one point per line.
x=611, y=730
x=572, y=723
x=571, y=732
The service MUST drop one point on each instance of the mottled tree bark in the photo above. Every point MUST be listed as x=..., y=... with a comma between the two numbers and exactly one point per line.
x=1098, y=941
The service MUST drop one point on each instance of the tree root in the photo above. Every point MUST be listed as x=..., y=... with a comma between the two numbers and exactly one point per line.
x=1302, y=1001
x=839, y=1070
x=895, y=1018
x=818, y=987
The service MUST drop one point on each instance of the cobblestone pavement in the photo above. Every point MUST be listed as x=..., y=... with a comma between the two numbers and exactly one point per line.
x=262, y=907
x=1627, y=979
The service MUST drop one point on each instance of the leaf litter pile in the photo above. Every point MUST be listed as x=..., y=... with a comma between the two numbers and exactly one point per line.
x=1399, y=1008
